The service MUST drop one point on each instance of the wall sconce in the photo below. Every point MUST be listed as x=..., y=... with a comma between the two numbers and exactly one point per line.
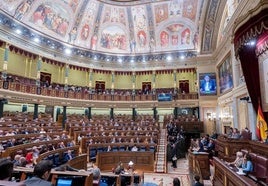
x=211, y=116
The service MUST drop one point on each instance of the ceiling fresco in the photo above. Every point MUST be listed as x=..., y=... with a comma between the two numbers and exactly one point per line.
x=119, y=27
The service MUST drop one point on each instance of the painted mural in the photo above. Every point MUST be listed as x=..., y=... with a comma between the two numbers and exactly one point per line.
x=225, y=75
x=113, y=38
x=190, y=9
x=86, y=30
x=167, y=25
x=114, y=14
x=22, y=9
x=53, y=18
x=72, y=3
x=140, y=27
x=161, y=12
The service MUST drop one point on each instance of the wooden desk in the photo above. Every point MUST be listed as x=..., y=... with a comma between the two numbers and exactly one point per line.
x=107, y=176
x=8, y=183
x=142, y=160
x=12, y=151
x=227, y=177
x=23, y=172
x=78, y=162
x=203, y=162
x=134, y=178
x=227, y=147
x=136, y=175
x=88, y=175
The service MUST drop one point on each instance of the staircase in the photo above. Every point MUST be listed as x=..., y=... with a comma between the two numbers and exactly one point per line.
x=161, y=153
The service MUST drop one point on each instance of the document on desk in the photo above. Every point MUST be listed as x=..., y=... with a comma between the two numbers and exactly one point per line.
x=240, y=173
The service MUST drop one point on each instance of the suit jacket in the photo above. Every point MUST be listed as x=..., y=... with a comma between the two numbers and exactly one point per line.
x=37, y=181
x=208, y=86
x=198, y=184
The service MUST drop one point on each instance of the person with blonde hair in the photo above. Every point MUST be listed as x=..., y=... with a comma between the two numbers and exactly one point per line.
x=238, y=161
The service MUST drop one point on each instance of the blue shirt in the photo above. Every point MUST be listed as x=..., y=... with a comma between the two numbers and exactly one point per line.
x=247, y=167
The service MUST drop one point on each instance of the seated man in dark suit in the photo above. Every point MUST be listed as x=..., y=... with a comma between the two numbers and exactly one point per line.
x=207, y=85
x=68, y=156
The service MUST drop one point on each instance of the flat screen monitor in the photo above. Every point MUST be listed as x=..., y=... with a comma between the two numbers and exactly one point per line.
x=125, y=180
x=108, y=180
x=64, y=182
x=70, y=181
x=165, y=97
x=207, y=84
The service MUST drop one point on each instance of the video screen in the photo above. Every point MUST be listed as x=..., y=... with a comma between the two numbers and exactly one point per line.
x=207, y=84
x=64, y=182
x=70, y=181
x=164, y=97
x=108, y=181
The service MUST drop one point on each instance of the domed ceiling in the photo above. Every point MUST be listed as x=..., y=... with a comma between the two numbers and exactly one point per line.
x=122, y=27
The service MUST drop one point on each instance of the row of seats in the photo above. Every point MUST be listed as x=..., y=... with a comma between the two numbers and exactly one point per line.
x=93, y=150
x=58, y=159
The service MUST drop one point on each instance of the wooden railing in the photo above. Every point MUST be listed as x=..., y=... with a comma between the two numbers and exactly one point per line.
x=12, y=151
x=30, y=89
x=60, y=151
x=78, y=162
x=142, y=160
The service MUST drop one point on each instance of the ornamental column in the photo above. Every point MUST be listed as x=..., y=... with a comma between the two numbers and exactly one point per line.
x=175, y=81
x=6, y=53
x=2, y=103
x=67, y=68
x=153, y=86
x=64, y=117
x=112, y=86
x=133, y=85
x=133, y=114
x=35, y=111
x=89, y=113
x=112, y=113
x=90, y=79
x=90, y=83
x=175, y=112
x=155, y=113
x=38, y=69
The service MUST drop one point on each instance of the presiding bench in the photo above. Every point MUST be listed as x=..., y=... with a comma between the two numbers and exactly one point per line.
x=226, y=176
x=258, y=152
x=260, y=167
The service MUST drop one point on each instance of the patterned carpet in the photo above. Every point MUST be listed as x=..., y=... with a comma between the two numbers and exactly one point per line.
x=166, y=179
x=182, y=172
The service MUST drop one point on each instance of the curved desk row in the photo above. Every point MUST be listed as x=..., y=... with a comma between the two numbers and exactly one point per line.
x=143, y=161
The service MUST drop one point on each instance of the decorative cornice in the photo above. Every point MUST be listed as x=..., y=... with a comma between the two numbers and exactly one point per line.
x=251, y=25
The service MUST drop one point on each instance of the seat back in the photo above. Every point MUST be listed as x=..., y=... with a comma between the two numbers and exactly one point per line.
x=254, y=161
x=114, y=149
x=56, y=159
x=143, y=149
x=262, y=165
